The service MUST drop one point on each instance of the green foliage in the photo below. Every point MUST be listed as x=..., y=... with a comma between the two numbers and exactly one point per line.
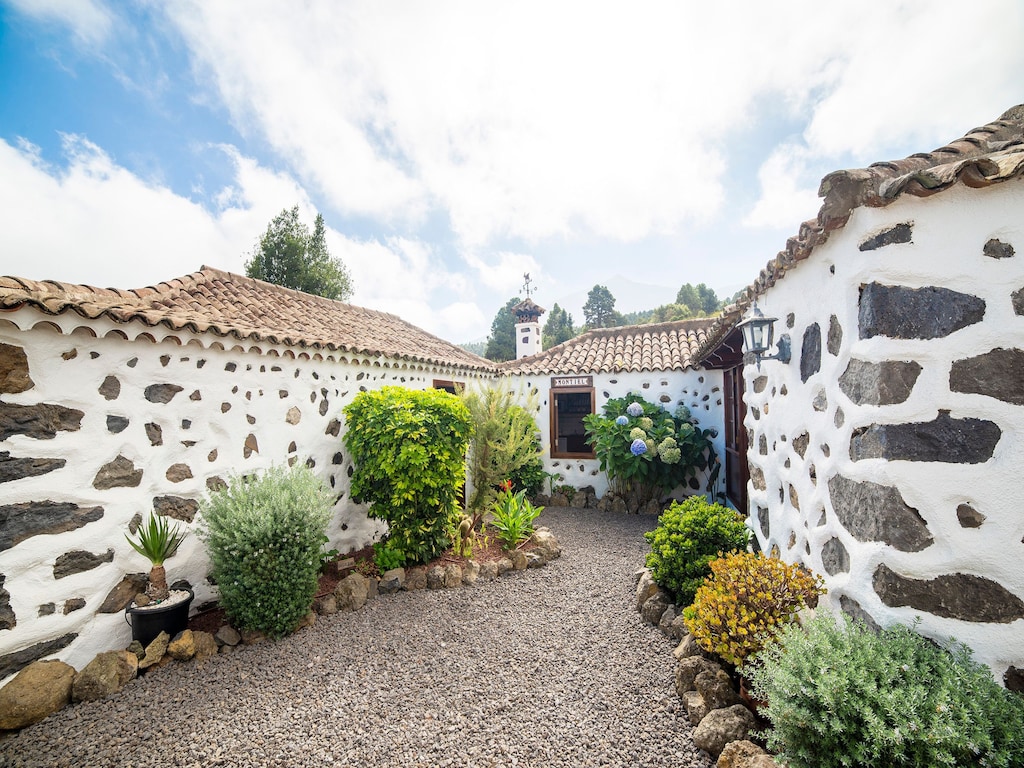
x=558, y=327
x=513, y=518
x=675, y=448
x=505, y=445
x=699, y=299
x=599, y=311
x=840, y=695
x=158, y=540
x=387, y=556
x=409, y=451
x=745, y=602
x=264, y=535
x=690, y=534
x=501, y=344
x=289, y=255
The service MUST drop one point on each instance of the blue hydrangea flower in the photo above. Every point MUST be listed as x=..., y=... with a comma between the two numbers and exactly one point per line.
x=622, y=421
x=635, y=409
x=638, y=447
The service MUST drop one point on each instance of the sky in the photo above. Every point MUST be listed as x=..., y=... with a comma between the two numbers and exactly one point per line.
x=453, y=147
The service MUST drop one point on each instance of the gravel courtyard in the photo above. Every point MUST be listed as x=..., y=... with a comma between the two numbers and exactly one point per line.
x=550, y=667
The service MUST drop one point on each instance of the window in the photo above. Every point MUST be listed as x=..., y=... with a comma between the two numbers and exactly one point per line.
x=451, y=387
x=568, y=407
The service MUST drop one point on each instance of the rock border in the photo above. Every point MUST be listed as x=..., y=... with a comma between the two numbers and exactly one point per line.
x=47, y=686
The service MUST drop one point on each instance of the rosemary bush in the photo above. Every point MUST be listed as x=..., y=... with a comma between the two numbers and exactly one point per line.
x=264, y=535
x=840, y=696
x=690, y=534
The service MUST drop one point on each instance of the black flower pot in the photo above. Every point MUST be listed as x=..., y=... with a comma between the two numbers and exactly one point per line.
x=148, y=622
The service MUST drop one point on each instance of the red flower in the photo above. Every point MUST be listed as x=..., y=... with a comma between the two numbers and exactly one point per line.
x=506, y=485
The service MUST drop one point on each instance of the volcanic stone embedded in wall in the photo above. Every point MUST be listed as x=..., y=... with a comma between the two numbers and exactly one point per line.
x=251, y=446
x=7, y=618
x=760, y=383
x=1018, y=301
x=12, y=468
x=42, y=421
x=757, y=478
x=855, y=611
x=123, y=593
x=800, y=443
x=835, y=336
x=901, y=233
x=78, y=560
x=116, y=424
x=294, y=415
x=884, y=383
x=1013, y=679
x=900, y=312
x=177, y=507
x=179, y=472
x=997, y=249
x=119, y=473
x=764, y=521
x=810, y=352
x=162, y=393
x=31, y=518
x=949, y=440
x=969, y=517
x=998, y=374
x=834, y=557
x=874, y=512
x=12, y=663
x=155, y=433
x=333, y=428
x=14, y=376
x=110, y=388
x=962, y=596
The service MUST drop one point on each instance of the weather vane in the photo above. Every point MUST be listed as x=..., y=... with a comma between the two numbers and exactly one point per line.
x=526, y=285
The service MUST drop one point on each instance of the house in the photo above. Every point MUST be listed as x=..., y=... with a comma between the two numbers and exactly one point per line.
x=887, y=454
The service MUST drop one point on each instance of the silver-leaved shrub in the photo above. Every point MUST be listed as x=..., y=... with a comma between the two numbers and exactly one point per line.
x=264, y=535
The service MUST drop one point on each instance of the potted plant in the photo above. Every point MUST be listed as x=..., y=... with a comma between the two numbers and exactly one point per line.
x=158, y=609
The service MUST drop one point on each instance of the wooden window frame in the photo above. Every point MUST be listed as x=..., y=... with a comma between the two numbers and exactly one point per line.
x=553, y=414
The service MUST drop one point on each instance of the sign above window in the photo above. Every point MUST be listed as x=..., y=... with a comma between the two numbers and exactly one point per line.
x=561, y=382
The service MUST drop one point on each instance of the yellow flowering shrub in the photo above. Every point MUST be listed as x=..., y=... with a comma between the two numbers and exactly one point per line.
x=745, y=601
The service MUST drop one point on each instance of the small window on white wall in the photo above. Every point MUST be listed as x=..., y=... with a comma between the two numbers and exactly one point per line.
x=568, y=436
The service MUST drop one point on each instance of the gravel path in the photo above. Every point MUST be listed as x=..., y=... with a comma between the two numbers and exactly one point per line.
x=550, y=667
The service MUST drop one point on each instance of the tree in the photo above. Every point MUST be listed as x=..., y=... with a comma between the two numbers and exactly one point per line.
x=599, y=311
x=558, y=328
x=288, y=255
x=699, y=298
x=501, y=344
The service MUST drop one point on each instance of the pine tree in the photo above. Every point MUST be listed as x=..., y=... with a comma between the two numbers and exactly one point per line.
x=558, y=328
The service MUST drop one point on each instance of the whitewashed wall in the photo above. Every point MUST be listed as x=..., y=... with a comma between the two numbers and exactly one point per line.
x=965, y=548
x=699, y=390
x=239, y=410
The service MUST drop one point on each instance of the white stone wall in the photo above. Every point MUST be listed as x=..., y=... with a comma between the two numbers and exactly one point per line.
x=699, y=390
x=805, y=433
x=240, y=409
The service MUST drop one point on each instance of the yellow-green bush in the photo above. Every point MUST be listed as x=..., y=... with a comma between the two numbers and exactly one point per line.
x=745, y=601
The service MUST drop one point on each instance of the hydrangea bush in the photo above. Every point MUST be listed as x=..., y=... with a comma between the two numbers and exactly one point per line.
x=645, y=449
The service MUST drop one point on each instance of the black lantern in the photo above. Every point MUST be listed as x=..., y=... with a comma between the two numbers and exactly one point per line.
x=758, y=337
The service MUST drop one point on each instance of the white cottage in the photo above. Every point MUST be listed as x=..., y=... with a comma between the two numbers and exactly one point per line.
x=888, y=453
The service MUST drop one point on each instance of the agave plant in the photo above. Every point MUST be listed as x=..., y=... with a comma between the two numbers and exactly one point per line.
x=157, y=541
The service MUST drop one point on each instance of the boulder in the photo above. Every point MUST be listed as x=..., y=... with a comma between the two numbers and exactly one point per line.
x=677, y=630
x=744, y=754
x=155, y=651
x=435, y=577
x=696, y=709
x=716, y=688
x=667, y=617
x=39, y=690
x=645, y=588
x=107, y=673
x=504, y=566
x=228, y=635
x=391, y=581
x=470, y=573
x=452, y=576
x=415, y=578
x=183, y=646
x=326, y=605
x=722, y=726
x=518, y=559
x=252, y=636
x=306, y=621
x=558, y=500
x=654, y=607
x=206, y=645
x=688, y=669
x=489, y=571
x=689, y=646
x=535, y=560
x=351, y=592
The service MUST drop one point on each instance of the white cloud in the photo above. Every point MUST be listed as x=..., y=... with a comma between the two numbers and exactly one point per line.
x=785, y=199
x=89, y=21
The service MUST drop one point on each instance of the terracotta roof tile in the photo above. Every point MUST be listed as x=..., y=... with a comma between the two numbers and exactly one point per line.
x=212, y=301
x=639, y=348
x=990, y=154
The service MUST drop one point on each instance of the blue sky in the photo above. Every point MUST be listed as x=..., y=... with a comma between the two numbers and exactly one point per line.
x=453, y=146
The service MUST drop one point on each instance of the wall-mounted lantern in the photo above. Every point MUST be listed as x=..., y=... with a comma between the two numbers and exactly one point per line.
x=758, y=337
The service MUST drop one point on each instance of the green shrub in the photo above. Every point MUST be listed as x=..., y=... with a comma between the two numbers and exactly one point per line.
x=690, y=534
x=841, y=695
x=745, y=602
x=409, y=451
x=646, y=450
x=513, y=517
x=505, y=445
x=264, y=535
